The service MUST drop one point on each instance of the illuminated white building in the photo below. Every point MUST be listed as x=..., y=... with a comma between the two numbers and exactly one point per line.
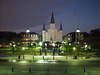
x=29, y=36
x=78, y=36
x=52, y=34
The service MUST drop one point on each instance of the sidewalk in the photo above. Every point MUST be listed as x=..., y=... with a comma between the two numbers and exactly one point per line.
x=8, y=72
x=31, y=58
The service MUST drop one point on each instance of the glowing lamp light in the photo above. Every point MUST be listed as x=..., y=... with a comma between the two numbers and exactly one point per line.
x=10, y=43
x=14, y=45
x=69, y=43
x=40, y=61
x=13, y=60
x=85, y=46
x=45, y=44
x=53, y=44
x=23, y=61
x=84, y=43
x=31, y=43
x=40, y=43
x=63, y=42
x=74, y=48
x=23, y=48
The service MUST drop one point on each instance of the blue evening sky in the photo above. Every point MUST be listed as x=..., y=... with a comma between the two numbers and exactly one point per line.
x=18, y=15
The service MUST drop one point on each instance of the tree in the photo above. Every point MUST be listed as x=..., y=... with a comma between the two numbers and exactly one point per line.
x=8, y=36
x=95, y=32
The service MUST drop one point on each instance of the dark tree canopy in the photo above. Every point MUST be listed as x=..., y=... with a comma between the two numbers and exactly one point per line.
x=95, y=33
x=8, y=36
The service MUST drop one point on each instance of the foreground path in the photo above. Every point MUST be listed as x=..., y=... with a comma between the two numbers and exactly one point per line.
x=38, y=66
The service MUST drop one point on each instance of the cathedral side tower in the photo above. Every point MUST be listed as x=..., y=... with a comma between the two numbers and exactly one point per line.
x=44, y=33
x=60, y=33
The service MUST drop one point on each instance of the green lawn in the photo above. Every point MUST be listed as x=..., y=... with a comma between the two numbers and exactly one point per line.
x=35, y=51
x=7, y=48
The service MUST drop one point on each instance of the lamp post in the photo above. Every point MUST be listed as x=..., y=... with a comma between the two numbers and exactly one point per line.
x=13, y=48
x=41, y=48
x=53, y=48
x=86, y=47
x=74, y=50
x=77, y=34
x=75, y=57
x=69, y=43
x=23, y=51
x=58, y=50
x=45, y=48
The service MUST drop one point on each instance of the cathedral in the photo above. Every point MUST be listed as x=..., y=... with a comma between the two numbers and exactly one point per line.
x=52, y=34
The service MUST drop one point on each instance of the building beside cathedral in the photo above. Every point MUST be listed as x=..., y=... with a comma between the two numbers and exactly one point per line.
x=29, y=36
x=52, y=34
x=75, y=36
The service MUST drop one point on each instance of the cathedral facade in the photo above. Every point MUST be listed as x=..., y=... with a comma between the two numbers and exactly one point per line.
x=52, y=34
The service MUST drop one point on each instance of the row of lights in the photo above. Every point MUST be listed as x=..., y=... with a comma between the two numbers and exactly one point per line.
x=46, y=44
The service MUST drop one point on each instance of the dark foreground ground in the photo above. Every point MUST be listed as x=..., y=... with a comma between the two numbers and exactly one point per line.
x=11, y=65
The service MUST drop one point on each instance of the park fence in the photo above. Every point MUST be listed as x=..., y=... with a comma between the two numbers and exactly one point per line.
x=28, y=70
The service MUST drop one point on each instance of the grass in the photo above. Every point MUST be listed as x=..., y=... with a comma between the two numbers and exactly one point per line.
x=7, y=48
x=19, y=51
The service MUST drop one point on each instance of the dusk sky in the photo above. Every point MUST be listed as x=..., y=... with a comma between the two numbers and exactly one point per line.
x=18, y=15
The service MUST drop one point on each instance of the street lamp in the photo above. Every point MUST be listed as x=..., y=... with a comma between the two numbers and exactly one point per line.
x=23, y=51
x=46, y=48
x=53, y=48
x=41, y=48
x=13, y=48
x=40, y=43
x=75, y=57
x=69, y=43
x=74, y=48
x=10, y=44
x=58, y=50
x=76, y=34
x=53, y=44
x=86, y=47
x=31, y=44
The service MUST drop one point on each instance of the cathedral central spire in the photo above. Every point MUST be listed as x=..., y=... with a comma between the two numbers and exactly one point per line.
x=52, y=18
